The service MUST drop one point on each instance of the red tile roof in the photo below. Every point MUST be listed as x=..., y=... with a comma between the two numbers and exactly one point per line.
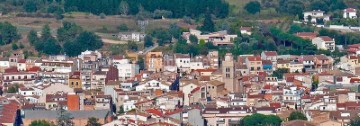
x=155, y=112
x=305, y=34
x=254, y=58
x=22, y=61
x=11, y=70
x=9, y=112
x=33, y=69
x=326, y=38
x=270, y=53
x=275, y=105
x=267, y=86
x=350, y=10
x=118, y=57
x=355, y=80
x=354, y=46
x=173, y=112
x=246, y=28
x=204, y=70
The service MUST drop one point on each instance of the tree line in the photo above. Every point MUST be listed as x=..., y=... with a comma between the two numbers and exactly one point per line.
x=71, y=40
x=192, y=8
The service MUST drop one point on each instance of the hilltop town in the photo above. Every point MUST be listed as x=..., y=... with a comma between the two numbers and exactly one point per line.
x=154, y=63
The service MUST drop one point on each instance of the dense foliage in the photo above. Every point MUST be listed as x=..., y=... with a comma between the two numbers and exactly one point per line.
x=253, y=7
x=355, y=122
x=296, y=7
x=92, y=121
x=8, y=33
x=41, y=123
x=70, y=35
x=297, y=115
x=261, y=120
x=182, y=7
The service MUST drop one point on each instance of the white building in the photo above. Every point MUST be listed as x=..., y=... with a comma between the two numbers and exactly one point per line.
x=315, y=14
x=196, y=65
x=153, y=85
x=4, y=63
x=134, y=36
x=324, y=42
x=245, y=30
x=88, y=53
x=128, y=85
x=349, y=13
x=57, y=66
x=26, y=91
x=126, y=69
x=182, y=61
x=129, y=105
x=217, y=38
x=21, y=65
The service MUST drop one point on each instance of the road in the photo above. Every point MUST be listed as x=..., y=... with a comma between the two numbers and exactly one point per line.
x=149, y=49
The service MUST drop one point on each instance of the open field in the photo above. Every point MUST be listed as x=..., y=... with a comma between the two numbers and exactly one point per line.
x=88, y=22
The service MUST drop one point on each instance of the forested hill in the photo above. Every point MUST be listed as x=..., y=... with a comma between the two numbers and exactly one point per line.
x=171, y=8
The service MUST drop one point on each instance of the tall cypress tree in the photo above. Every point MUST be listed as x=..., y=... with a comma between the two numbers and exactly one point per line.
x=208, y=25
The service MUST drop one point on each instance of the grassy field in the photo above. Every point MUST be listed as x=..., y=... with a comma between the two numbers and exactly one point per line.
x=88, y=22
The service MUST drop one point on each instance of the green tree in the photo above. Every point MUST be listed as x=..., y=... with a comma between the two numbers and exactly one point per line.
x=141, y=63
x=261, y=120
x=175, y=31
x=253, y=7
x=46, y=33
x=315, y=83
x=41, y=123
x=89, y=41
x=193, y=39
x=297, y=115
x=13, y=88
x=14, y=46
x=208, y=25
x=51, y=47
x=148, y=41
x=132, y=46
x=32, y=37
x=72, y=49
x=68, y=32
x=21, y=46
x=92, y=121
x=355, y=122
x=294, y=28
x=30, y=6
x=163, y=36
x=121, y=111
x=124, y=7
x=8, y=33
x=280, y=72
x=319, y=5
x=123, y=27
x=64, y=118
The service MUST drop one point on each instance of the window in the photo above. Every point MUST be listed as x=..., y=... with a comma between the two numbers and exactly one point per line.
x=252, y=68
x=258, y=68
x=180, y=61
x=227, y=69
x=227, y=75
